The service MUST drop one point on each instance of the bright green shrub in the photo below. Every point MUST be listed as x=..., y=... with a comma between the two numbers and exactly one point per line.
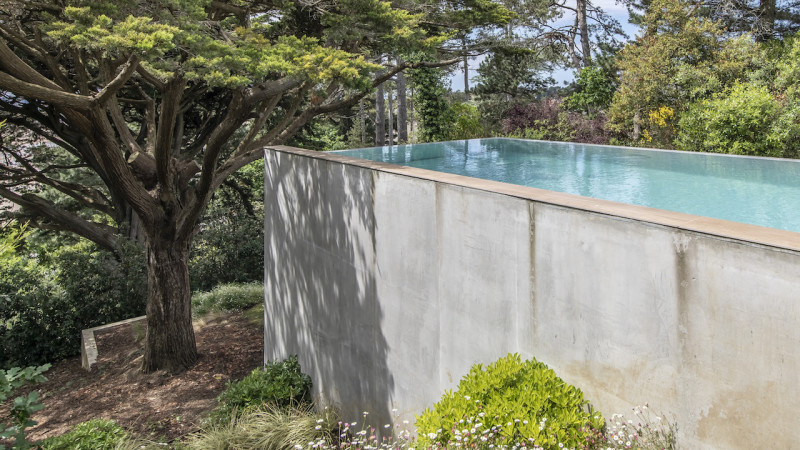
x=282, y=384
x=510, y=402
x=228, y=298
x=468, y=122
x=95, y=434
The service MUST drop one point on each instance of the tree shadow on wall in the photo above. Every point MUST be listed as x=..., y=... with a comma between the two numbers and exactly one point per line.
x=320, y=284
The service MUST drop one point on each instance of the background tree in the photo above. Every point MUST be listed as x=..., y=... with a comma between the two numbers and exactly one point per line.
x=594, y=90
x=144, y=95
x=681, y=57
x=509, y=76
x=436, y=118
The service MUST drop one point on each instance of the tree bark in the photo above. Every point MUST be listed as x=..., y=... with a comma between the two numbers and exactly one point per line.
x=380, y=117
x=583, y=31
x=390, y=114
x=362, y=122
x=170, y=336
x=402, y=109
x=412, y=124
x=466, y=67
x=765, y=24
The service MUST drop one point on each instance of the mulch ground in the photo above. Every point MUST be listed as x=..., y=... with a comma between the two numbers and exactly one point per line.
x=155, y=406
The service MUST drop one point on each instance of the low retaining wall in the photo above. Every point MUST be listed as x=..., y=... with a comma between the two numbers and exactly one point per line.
x=390, y=282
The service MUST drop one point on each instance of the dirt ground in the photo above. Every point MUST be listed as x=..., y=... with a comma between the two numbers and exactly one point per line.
x=156, y=406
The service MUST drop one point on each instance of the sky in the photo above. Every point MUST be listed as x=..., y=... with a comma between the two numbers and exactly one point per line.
x=611, y=7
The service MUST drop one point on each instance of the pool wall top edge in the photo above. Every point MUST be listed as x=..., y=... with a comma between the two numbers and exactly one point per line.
x=771, y=237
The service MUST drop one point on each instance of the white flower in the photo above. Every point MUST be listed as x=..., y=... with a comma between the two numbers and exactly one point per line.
x=319, y=421
x=318, y=427
x=467, y=397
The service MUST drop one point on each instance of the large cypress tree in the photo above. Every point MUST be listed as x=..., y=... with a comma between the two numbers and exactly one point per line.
x=143, y=94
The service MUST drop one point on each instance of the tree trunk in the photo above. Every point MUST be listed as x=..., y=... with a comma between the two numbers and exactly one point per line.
x=583, y=31
x=380, y=118
x=362, y=122
x=765, y=24
x=466, y=67
x=412, y=124
x=170, y=343
x=390, y=114
x=134, y=230
x=402, y=108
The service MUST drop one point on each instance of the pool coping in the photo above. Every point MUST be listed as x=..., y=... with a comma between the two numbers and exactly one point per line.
x=755, y=234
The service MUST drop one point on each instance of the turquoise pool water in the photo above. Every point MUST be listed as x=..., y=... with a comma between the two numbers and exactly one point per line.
x=758, y=191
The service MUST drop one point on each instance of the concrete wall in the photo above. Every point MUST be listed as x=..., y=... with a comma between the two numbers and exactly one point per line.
x=390, y=282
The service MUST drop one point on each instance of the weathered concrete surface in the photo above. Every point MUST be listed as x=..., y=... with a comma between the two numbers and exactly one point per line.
x=389, y=283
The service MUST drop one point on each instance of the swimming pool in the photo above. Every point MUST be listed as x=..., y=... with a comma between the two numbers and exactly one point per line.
x=757, y=191
x=413, y=275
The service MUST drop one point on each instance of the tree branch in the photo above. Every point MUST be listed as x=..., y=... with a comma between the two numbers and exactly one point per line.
x=122, y=77
x=171, y=98
x=37, y=92
x=102, y=235
x=87, y=197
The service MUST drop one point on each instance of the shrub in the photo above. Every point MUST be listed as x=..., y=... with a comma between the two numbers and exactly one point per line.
x=507, y=403
x=743, y=120
x=468, y=122
x=546, y=120
x=228, y=298
x=24, y=406
x=43, y=308
x=95, y=434
x=228, y=249
x=282, y=384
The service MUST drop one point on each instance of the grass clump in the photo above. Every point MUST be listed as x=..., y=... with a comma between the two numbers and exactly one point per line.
x=510, y=403
x=281, y=384
x=270, y=427
x=228, y=298
x=96, y=434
